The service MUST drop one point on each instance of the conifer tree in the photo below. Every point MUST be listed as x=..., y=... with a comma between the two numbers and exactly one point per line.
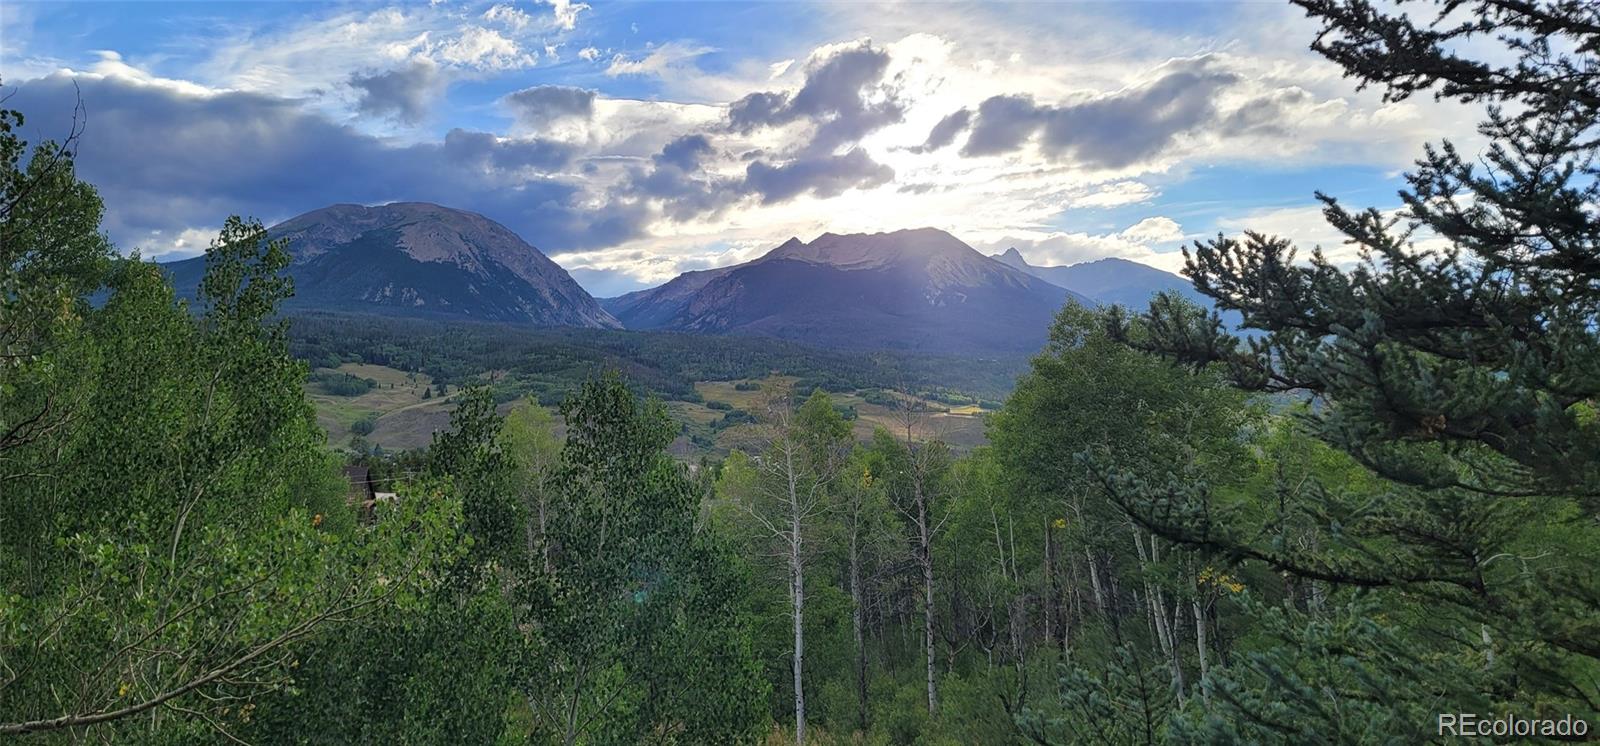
x=1459, y=359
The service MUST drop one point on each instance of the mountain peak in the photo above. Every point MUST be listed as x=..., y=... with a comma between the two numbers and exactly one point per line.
x=420, y=258
x=1014, y=258
x=918, y=288
x=873, y=250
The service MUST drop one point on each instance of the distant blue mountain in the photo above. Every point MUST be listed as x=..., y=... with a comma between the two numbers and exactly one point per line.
x=1109, y=281
x=921, y=290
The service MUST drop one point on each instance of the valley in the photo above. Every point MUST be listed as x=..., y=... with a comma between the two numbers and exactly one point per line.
x=403, y=409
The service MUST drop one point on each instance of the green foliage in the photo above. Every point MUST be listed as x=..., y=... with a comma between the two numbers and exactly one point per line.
x=1124, y=699
x=638, y=613
x=1283, y=691
x=1462, y=373
x=342, y=384
x=470, y=454
x=171, y=532
x=365, y=425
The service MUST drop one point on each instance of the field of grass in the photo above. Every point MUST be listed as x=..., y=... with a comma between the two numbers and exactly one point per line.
x=404, y=418
x=960, y=426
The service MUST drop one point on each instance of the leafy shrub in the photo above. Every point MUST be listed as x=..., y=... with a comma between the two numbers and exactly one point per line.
x=365, y=425
x=342, y=384
x=879, y=397
x=735, y=417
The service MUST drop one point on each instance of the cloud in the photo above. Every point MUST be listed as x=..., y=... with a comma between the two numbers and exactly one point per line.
x=1062, y=248
x=566, y=13
x=677, y=183
x=945, y=131
x=1154, y=230
x=318, y=52
x=823, y=176
x=510, y=17
x=163, y=159
x=484, y=49
x=538, y=107
x=589, y=53
x=1120, y=129
x=490, y=153
x=669, y=56
x=404, y=93
x=841, y=95
x=685, y=152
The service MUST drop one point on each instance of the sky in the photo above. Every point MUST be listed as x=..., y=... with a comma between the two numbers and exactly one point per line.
x=634, y=141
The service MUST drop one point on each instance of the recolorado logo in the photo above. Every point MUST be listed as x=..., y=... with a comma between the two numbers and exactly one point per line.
x=1472, y=725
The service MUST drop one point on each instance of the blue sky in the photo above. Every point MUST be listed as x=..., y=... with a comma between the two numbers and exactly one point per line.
x=633, y=141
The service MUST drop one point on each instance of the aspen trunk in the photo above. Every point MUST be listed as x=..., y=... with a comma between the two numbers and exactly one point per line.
x=797, y=589
x=856, y=621
x=1094, y=581
x=797, y=593
x=1048, y=594
x=927, y=600
x=1200, y=645
x=1157, y=605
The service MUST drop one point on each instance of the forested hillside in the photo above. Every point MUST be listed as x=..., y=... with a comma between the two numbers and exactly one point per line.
x=1145, y=552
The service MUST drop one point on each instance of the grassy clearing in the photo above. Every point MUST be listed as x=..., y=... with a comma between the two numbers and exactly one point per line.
x=960, y=426
x=402, y=414
x=405, y=420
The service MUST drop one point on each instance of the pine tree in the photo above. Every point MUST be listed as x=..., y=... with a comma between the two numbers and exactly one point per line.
x=1459, y=359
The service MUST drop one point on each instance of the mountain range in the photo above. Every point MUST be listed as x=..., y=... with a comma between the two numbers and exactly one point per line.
x=420, y=259
x=920, y=290
x=1108, y=281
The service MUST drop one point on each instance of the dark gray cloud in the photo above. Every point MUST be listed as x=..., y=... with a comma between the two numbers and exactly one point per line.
x=491, y=154
x=164, y=161
x=837, y=95
x=824, y=176
x=685, y=152
x=757, y=110
x=844, y=97
x=683, y=190
x=676, y=182
x=1264, y=114
x=539, y=106
x=946, y=130
x=1109, y=131
x=1002, y=125
x=405, y=93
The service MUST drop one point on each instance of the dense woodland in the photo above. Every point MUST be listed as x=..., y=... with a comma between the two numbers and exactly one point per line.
x=1146, y=552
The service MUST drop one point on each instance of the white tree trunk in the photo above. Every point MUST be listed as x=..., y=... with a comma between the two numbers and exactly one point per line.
x=798, y=592
x=797, y=595
x=1094, y=581
x=926, y=540
x=1200, y=645
x=857, y=622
